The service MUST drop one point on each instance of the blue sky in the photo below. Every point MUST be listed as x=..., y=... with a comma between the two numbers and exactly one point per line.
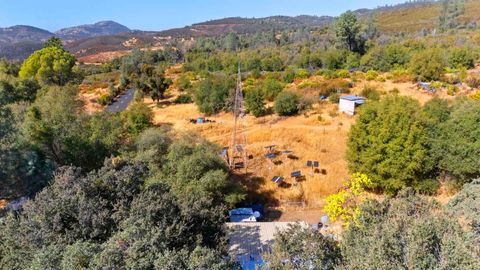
x=163, y=14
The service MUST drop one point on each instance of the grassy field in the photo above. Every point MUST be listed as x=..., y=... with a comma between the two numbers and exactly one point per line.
x=319, y=134
x=425, y=16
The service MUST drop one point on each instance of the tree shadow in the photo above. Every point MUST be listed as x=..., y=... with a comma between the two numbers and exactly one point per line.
x=252, y=186
x=247, y=239
x=277, y=162
x=301, y=179
x=292, y=157
x=272, y=215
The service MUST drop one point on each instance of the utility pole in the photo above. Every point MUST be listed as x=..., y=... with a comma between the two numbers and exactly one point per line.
x=238, y=158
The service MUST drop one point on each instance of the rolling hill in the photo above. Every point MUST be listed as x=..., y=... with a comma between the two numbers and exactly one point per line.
x=412, y=17
x=103, y=28
x=17, y=42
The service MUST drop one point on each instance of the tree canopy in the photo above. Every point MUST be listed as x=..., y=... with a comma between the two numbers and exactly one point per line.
x=459, y=141
x=161, y=205
x=346, y=31
x=50, y=65
x=388, y=143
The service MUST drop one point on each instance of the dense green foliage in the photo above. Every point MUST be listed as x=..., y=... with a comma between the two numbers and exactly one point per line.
x=428, y=65
x=53, y=42
x=109, y=191
x=145, y=70
x=466, y=203
x=385, y=58
x=406, y=232
x=54, y=127
x=271, y=87
x=303, y=248
x=388, y=144
x=287, y=103
x=50, y=65
x=398, y=143
x=107, y=219
x=346, y=30
x=459, y=142
x=214, y=94
x=255, y=102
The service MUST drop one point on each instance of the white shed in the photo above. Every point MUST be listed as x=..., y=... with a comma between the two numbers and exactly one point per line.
x=348, y=104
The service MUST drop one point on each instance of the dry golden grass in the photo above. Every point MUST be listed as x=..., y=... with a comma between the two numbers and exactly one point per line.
x=409, y=89
x=307, y=137
x=414, y=19
x=321, y=134
x=472, y=12
x=102, y=57
x=409, y=19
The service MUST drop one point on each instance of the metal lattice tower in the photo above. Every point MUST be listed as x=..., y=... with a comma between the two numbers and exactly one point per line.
x=238, y=156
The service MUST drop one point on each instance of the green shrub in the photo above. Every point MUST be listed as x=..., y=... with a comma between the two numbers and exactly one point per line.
x=358, y=75
x=399, y=161
x=302, y=74
x=256, y=73
x=105, y=99
x=334, y=59
x=183, y=99
x=371, y=75
x=400, y=75
x=461, y=58
x=329, y=74
x=370, y=93
x=452, y=90
x=342, y=73
x=334, y=86
x=437, y=85
x=271, y=88
x=112, y=91
x=309, y=84
x=428, y=65
x=213, y=94
x=254, y=102
x=395, y=91
x=287, y=103
x=334, y=98
x=273, y=63
x=288, y=76
x=353, y=60
x=137, y=118
x=459, y=142
x=183, y=83
x=385, y=58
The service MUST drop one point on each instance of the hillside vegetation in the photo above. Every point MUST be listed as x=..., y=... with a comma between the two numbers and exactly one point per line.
x=150, y=185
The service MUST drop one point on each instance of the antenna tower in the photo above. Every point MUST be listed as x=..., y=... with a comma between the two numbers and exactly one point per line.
x=238, y=157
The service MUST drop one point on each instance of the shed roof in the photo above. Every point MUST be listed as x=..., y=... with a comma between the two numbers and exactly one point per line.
x=353, y=98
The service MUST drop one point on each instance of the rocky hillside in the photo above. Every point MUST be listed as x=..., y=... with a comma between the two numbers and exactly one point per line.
x=411, y=17
x=104, y=28
x=17, y=42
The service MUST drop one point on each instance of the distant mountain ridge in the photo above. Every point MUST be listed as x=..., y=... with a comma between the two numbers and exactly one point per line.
x=247, y=25
x=18, y=42
x=20, y=33
x=103, y=28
